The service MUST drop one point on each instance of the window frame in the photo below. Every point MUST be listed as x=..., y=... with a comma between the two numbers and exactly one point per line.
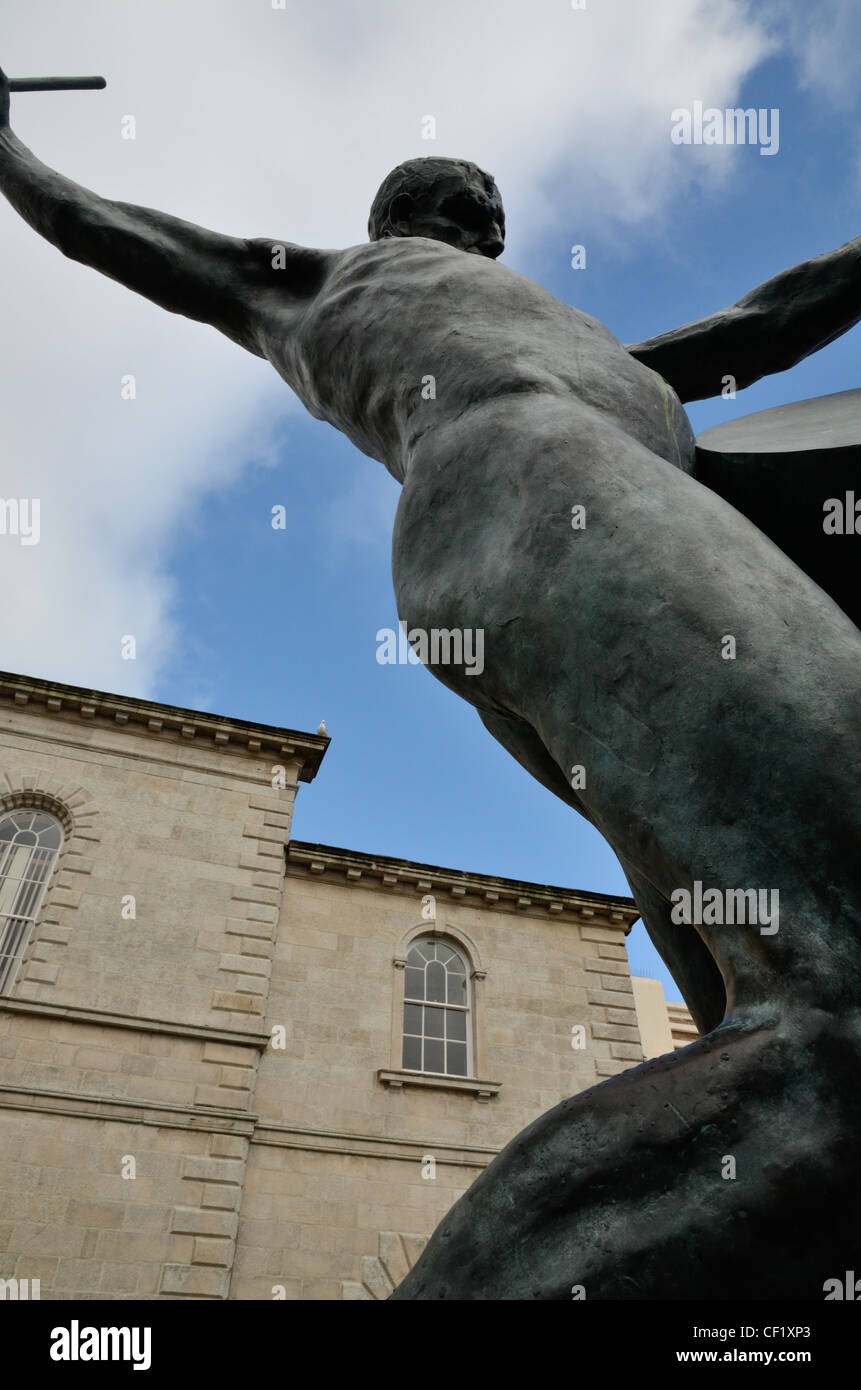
x=436, y=939
x=12, y=960
x=394, y=1076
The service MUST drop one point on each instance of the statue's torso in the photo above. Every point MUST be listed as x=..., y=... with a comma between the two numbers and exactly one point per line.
x=601, y=638
x=405, y=336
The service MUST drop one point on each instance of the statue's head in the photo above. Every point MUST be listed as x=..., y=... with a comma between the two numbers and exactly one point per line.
x=448, y=200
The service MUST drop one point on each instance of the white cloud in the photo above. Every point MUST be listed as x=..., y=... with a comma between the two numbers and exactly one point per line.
x=266, y=122
x=825, y=39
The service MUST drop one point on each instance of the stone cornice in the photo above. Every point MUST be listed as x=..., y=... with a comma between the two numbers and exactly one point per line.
x=217, y=1120
x=371, y=1145
x=126, y=1110
x=403, y=875
x=76, y=1014
x=206, y=730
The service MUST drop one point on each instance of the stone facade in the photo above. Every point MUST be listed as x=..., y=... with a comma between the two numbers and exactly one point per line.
x=201, y=1082
x=665, y=1025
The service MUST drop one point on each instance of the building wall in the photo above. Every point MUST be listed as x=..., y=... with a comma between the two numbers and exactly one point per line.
x=664, y=1026
x=72, y=1220
x=206, y=1099
x=339, y=1156
x=138, y=1038
x=195, y=835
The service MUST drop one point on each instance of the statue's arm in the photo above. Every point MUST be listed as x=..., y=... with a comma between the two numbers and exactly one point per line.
x=184, y=268
x=769, y=330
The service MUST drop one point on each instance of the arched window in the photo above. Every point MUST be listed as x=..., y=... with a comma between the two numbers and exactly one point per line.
x=436, y=1009
x=29, y=844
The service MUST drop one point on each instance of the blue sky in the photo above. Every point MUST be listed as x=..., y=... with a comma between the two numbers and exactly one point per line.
x=280, y=625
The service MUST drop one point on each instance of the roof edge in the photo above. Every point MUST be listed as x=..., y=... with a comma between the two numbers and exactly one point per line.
x=238, y=735
x=411, y=874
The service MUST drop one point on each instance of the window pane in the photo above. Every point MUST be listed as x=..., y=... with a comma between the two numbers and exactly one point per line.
x=456, y=989
x=455, y=1025
x=434, y=1020
x=435, y=1037
x=414, y=984
x=435, y=977
x=48, y=831
x=29, y=841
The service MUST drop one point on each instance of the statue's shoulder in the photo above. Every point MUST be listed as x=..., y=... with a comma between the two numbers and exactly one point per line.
x=276, y=250
x=278, y=264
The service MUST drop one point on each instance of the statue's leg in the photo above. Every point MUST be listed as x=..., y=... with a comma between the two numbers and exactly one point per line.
x=682, y=951
x=732, y=770
x=522, y=742
x=716, y=1172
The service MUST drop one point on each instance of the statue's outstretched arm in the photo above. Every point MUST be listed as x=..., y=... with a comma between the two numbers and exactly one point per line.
x=184, y=268
x=769, y=330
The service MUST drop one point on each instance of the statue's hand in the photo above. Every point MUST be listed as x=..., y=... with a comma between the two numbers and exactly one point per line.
x=4, y=99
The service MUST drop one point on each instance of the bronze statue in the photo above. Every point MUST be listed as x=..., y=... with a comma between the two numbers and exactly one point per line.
x=608, y=674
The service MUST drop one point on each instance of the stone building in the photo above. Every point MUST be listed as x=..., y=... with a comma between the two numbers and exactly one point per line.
x=665, y=1025
x=234, y=1065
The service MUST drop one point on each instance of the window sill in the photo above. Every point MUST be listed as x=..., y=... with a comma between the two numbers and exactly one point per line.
x=482, y=1090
